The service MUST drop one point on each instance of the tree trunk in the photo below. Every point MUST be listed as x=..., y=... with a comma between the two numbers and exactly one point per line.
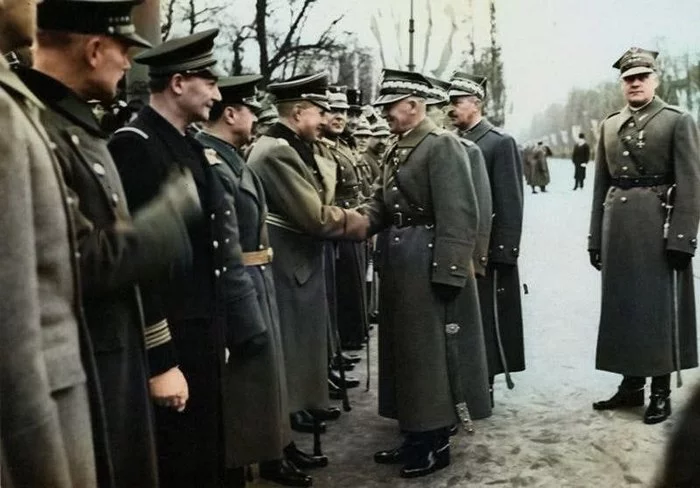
x=261, y=35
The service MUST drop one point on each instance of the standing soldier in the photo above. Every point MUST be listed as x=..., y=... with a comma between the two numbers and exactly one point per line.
x=46, y=437
x=432, y=362
x=539, y=175
x=361, y=136
x=350, y=261
x=644, y=222
x=256, y=416
x=499, y=290
x=301, y=219
x=183, y=88
x=580, y=157
x=116, y=251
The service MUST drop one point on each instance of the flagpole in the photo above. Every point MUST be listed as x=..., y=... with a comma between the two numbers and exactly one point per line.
x=411, y=31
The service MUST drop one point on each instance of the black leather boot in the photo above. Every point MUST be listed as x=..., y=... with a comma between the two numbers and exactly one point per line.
x=426, y=457
x=622, y=399
x=284, y=473
x=659, y=407
x=302, y=460
x=330, y=413
x=397, y=455
x=345, y=364
x=350, y=381
x=303, y=421
x=353, y=358
x=334, y=391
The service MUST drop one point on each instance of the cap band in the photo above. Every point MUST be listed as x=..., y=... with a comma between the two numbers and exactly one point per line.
x=464, y=87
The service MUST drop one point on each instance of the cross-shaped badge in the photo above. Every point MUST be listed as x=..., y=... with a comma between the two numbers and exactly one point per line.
x=640, y=140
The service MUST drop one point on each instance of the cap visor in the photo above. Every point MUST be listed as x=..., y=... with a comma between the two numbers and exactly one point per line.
x=636, y=71
x=135, y=40
x=389, y=99
x=340, y=106
x=320, y=103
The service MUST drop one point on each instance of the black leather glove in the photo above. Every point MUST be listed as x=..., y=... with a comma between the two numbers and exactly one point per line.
x=678, y=260
x=446, y=293
x=252, y=347
x=595, y=259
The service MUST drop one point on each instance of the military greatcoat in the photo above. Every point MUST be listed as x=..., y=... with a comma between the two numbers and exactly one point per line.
x=256, y=414
x=505, y=172
x=190, y=443
x=46, y=436
x=427, y=179
x=627, y=220
x=299, y=192
x=116, y=251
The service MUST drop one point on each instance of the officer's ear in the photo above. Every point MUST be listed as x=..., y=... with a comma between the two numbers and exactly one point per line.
x=177, y=82
x=91, y=47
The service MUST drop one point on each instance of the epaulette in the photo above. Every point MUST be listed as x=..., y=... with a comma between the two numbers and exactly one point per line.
x=675, y=108
x=466, y=141
x=497, y=130
x=612, y=114
x=438, y=131
x=282, y=141
x=135, y=130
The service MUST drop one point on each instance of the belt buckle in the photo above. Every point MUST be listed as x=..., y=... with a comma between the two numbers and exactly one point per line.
x=398, y=219
x=270, y=254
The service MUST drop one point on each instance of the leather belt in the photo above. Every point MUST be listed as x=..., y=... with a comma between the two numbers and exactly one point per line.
x=258, y=258
x=627, y=182
x=400, y=219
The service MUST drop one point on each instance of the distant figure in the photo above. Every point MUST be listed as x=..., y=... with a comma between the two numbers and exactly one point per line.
x=538, y=167
x=580, y=157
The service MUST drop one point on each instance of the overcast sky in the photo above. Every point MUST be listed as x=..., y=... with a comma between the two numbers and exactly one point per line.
x=549, y=46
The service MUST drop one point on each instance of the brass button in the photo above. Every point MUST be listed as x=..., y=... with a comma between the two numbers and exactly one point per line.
x=681, y=236
x=631, y=124
x=453, y=267
x=625, y=168
x=625, y=153
x=396, y=239
x=262, y=268
x=223, y=270
x=213, y=216
x=75, y=140
x=217, y=273
x=430, y=245
x=623, y=199
x=434, y=265
x=261, y=247
x=227, y=212
x=215, y=244
x=396, y=205
x=501, y=247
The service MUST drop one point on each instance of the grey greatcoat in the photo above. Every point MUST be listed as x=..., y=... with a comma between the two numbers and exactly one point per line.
x=301, y=218
x=635, y=334
x=116, y=252
x=427, y=176
x=505, y=172
x=256, y=415
x=45, y=414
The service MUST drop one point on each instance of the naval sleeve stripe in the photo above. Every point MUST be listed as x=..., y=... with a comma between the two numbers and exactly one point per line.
x=157, y=334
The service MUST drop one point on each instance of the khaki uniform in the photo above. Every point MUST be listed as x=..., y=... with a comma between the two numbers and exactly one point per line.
x=299, y=190
x=640, y=154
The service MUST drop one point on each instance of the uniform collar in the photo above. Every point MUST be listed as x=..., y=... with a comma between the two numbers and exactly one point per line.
x=478, y=131
x=642, y=116
x=61, y=99
x=413, y=137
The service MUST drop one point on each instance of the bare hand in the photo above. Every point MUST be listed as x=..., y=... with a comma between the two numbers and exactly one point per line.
x=170, y=389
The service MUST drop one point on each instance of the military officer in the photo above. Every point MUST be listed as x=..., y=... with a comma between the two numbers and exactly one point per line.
x=300, y=194
x=256, y=417
x=432, y=362
x=351, y=261
x=644, y=221
x=182, y=80
x=499, y=290
x=437, y=105
x=377, y=147
x=580, y=156
x=361, y=136
x=116, y=250
x=46, y=437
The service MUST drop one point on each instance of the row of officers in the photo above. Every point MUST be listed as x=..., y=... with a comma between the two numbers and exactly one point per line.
x=157, y=339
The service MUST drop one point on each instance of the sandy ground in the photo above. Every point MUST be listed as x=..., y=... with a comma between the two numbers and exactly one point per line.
x=544, y=432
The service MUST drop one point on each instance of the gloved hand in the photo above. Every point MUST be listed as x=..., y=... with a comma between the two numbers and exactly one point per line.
x=595, y=259
x=678, y=260
x=180, y=190
x=252, y=347
x=446, y=293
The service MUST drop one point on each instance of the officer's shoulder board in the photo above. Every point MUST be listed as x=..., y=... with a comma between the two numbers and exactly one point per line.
x=612, y=115
x=675, y=108
x=497, y=130
x=282, y=141
x=467, y=142
x=130, y=129
x=212, y=156
x=438, y=131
